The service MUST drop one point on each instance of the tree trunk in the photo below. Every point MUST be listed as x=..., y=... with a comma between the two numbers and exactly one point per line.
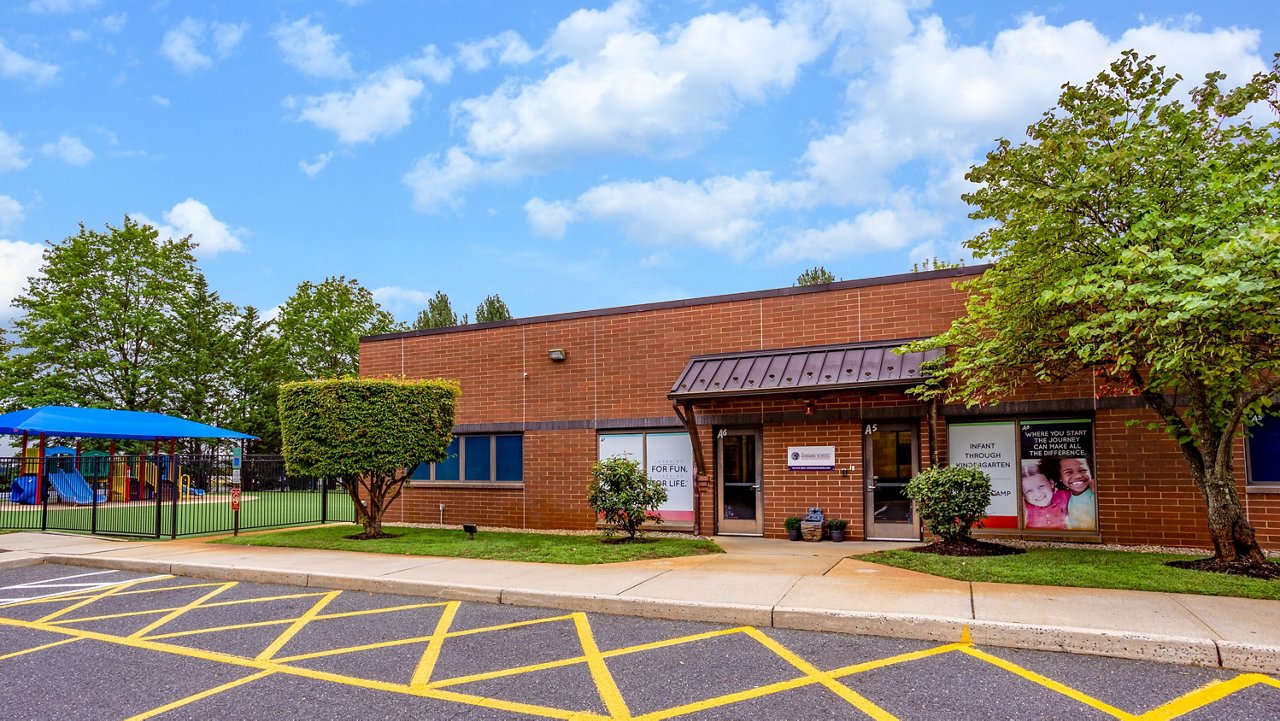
x=1233, y=536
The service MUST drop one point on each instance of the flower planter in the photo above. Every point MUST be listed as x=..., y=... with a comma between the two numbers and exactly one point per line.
x=837, y=536
x=793, y=534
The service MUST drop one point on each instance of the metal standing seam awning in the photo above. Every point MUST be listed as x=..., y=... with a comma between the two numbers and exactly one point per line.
x=809, y=370
x=797, y=371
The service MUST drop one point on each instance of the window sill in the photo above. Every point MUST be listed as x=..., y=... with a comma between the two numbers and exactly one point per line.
x=508, y=485
x=1262, y=488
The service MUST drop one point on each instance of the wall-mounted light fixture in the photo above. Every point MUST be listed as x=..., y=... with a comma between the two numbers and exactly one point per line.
x=808, y=408
x=556, y=355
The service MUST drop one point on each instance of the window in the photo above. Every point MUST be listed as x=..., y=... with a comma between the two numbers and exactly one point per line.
x=1264, y=451
x=477, y=459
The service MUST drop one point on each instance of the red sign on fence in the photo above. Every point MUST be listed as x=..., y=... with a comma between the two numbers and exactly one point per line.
x=235, y=499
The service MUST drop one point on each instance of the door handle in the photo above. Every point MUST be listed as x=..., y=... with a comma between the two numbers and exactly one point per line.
x=755, y=487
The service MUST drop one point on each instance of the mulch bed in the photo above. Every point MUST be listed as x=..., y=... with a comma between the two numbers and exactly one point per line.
x=968, y=547
x=372, y=536
x=1265, y=570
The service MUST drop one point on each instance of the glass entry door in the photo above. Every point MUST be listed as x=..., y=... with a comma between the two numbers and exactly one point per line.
x=890, y=457
x=739, y=476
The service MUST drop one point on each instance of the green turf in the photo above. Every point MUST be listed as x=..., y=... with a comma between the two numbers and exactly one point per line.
x=1083, y=568
x=536, y=547
x=200, y=515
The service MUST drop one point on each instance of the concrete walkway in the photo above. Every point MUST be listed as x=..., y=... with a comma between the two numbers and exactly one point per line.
x=758, y=582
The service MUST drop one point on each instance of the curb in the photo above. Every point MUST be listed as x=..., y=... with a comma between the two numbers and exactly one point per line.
x=1231, y=655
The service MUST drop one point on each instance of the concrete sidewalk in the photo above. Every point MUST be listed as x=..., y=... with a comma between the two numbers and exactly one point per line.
x=758, y=582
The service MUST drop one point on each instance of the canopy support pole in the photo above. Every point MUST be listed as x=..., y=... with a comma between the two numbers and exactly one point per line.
x=700, y=471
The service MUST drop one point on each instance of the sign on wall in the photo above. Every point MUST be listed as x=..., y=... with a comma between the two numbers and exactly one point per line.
x=666, y=458
x=1058, y=490
x=992, y=448
x=811, y=458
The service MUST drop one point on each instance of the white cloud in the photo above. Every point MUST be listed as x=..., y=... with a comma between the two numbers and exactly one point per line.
x=391, y=295
x=160, y=100
x=16, y=66
x=18, y=261
x=621, y=89
x=383, y=105
x=76, y=35
x=313, y=168
x=10, y=213
x=61, y=7
x=307, y=47
x=507, y=48
x=549, y=219
x=886, y=228
x=114, y=23
x=69, y=149
x=185, y=44
x=191, y=217
x=11, y=157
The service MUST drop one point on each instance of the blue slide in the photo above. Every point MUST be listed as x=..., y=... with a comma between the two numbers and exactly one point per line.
x=72, y=487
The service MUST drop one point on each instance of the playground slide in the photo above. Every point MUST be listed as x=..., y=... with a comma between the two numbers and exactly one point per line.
x=72, y=487
x=23, y=490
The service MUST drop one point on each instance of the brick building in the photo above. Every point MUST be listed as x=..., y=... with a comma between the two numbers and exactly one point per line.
x=756, y=406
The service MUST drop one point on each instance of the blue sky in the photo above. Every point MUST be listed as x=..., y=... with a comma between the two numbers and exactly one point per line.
x=564, y=155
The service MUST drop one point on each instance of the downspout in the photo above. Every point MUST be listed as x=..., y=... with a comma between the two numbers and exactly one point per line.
x=933, y=432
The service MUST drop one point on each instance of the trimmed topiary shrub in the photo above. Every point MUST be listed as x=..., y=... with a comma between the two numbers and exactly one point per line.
x=368, y=432
x=951, y=500
x=624, y=495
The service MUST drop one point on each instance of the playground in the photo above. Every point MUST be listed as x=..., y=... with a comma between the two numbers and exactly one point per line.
x=149, y=494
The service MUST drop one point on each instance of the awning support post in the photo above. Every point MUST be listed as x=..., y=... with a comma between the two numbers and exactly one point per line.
x=700, y=471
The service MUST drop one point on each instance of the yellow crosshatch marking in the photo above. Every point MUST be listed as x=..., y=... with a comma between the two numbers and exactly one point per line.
x=423, y=680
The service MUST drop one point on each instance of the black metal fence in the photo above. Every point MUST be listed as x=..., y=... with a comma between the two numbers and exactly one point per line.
x=156, y=496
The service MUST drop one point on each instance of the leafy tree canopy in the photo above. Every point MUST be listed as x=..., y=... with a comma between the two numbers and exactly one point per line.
x=370, y=432
x=321, y=326
x=817, y=275
x=438, y=313
x=98, y=320
x=492, y=309
x=1135, y=236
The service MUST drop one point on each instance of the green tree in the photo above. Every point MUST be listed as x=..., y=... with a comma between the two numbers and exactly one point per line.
x=951, y=500
x=1134, y=237
x=96, y=320
x=817, y=275
x=626, y=497
x=492, y=309
x=438, y=313
x=321, y=326
x=256, y=367
x=368, y=432
x=201, y=346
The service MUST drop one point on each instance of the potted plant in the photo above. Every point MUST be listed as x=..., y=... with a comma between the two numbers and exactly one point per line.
x=837, y=526
x=793, y=527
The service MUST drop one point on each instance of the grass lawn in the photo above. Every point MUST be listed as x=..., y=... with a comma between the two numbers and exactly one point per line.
x=536, y=547
x=1084, y=568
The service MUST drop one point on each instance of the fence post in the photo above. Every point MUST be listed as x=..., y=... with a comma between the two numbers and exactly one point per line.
x=155, y=489
x=43, y=488
x=324, y=500
x=93, y=514
x=173, y=530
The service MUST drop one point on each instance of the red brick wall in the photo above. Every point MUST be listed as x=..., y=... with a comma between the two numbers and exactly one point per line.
x=620, y=366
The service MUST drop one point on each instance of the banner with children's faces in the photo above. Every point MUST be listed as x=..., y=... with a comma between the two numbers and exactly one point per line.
x=1058, y=488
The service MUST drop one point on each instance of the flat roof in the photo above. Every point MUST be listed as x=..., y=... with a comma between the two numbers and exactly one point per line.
x=960, y=272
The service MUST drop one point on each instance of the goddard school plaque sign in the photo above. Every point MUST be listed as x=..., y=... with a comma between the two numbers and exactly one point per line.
x=811, y=458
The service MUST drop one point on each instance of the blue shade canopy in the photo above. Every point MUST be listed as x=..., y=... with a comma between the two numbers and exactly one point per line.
x=103, y=423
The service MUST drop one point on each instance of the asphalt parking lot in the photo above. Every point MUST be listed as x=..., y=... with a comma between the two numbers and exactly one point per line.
x=78, y=643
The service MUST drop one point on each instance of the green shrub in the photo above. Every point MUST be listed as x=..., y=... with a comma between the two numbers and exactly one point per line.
x=792, y=523
x=368, y=432
x=837, y=524
x=951, y=500
x=624, y=495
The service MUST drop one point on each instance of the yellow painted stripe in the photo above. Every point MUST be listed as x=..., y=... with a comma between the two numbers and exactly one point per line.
x=1048, y=683
x=15, y=654
x=198, y=696
x=219, y=629
x=726, y=699
x=488, y=675
x=97, y=596
x=854, y=698
x=893, y=660
x=180, y=611
x=301, y=623
x=653, y=645
x=605, y=685
x=79, y=595
x=283, y=621
x=427, y=664
x=215, y=604
x=1203, y=696
x=515, y=706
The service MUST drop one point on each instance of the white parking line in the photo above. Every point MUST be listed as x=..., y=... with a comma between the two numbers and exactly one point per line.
x=68, y=588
